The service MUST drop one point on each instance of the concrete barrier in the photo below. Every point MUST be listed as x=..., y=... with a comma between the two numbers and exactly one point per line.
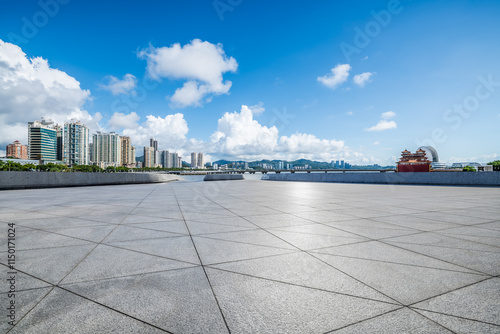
x=27, y=180
x=223, y=177
x=435, y=178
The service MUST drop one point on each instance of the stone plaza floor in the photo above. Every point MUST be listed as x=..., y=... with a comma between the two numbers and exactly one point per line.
x=252, y=257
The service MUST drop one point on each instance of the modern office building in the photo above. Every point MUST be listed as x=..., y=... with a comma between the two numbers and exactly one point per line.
x=128, y=152
x=106, y=149
x=42, y=140
x=149, y=157
x=75, y=143
x=17, y=150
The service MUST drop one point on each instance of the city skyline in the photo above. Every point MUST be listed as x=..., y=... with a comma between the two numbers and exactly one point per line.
x=255, y=80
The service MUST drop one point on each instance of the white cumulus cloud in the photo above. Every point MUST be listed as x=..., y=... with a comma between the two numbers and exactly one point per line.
x=200, y=64
x=116, y=86
x=362, y=79
x=170, y=131
x=121, y=121
x=388, y=115
x=238, y=134
x=383, y=125
x=30, y=89
x=339, y=75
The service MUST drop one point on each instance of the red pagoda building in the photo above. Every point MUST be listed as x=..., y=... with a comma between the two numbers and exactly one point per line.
x=413, y=162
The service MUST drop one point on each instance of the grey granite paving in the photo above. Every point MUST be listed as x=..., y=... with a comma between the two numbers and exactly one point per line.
x=253, y=257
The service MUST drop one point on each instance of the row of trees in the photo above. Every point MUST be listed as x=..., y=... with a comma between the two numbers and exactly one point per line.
x=51, y=167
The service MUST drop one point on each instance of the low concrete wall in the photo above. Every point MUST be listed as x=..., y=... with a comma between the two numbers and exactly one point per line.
x=27, y=180
x=436, y=178
x=223, y=177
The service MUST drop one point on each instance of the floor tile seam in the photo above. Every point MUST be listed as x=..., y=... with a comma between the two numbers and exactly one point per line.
x=32, y=276
x=413, y=228
x=396, y=226
x=52, y=247
x=257, y=226
x=218, y=224
x=153, y=230
x=100, y=242
x=355, y=278
x=453, y=222
x=471, y=235
x=75, y=227
x=61, y=284
x=63, y=235
x=60, y=206
x=115, y=310
x=204, y=236
x=417, y=309
x=304, y=286
x=280, y=229
x=389, y=241
x=290, y=251
x=363, y=320
x=306, y=252
x=153, y=255
x=317, y=250
x=476, y=242
x=202, y=265
x=436, y=258
x=432, y=320
x=31, y=309
x=488, y=228
x=371, y=239
x=324, y=224
x=405, y=264
x=450, y=291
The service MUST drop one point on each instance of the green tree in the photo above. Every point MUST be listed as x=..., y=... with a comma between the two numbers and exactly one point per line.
x=468, y=169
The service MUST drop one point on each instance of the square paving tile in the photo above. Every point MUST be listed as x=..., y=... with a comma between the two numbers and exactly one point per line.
x=254, y=257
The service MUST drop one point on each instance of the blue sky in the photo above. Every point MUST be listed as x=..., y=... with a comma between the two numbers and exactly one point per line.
x=257, y=76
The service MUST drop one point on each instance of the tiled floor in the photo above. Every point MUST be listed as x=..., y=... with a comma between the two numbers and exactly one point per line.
x=253, y=257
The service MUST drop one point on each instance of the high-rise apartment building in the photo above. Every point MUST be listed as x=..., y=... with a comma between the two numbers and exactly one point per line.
x=106, y=149
x=200, y=162
x=128, y=152
x=42, y=140
x=17, y=150
x=175, y=160
x=154, y=144
x=193, y=160
x=149, y=157
x=75, y=143
x=165, y=159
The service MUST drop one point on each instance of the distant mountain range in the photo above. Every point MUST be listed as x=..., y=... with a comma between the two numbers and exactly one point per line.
x=301, y=163
x=295, y=163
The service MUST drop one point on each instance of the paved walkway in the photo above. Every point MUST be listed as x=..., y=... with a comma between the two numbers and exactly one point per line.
x=253, y=257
